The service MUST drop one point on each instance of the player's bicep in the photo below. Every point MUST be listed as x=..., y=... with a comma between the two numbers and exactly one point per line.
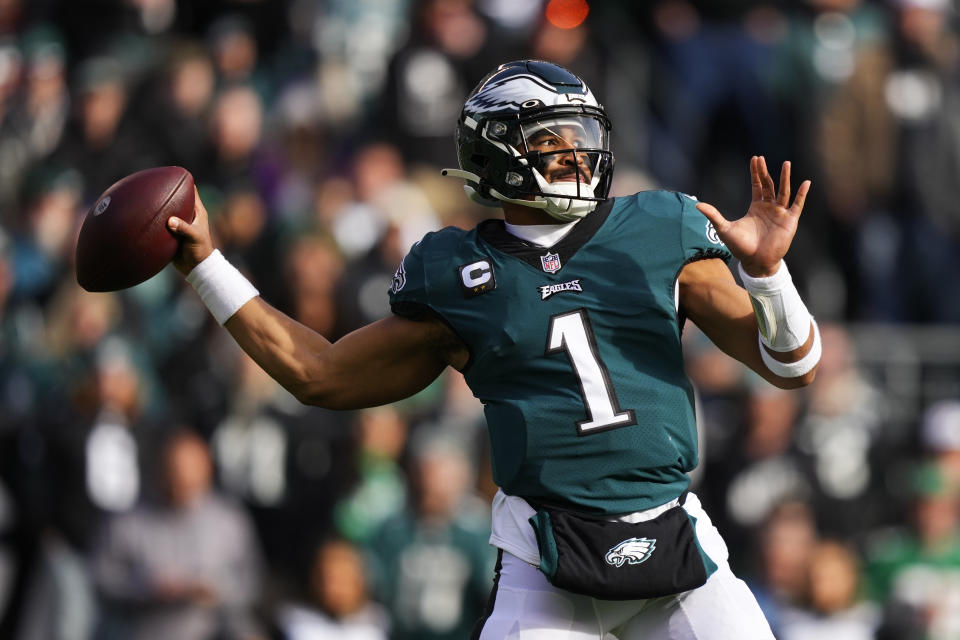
x=380, y=363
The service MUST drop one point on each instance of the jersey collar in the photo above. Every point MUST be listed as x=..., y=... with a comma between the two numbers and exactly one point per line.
x=495, y=233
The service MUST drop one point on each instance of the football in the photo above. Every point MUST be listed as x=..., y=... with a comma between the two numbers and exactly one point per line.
x=124, y=239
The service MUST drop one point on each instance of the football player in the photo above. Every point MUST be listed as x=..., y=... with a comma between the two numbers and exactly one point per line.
x=565, y=317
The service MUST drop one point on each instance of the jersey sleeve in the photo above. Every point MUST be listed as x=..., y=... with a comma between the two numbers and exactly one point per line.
x=697, y=236
x=408, y=291
x=422, y=283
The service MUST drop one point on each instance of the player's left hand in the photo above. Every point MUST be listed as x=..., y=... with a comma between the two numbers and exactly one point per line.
x=760, y=239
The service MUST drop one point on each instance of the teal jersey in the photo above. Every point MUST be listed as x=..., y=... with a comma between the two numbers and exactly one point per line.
x=574, y=349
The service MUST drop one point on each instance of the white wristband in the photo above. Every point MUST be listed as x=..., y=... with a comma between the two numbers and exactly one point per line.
x=781, y=315
x=801, y=366
x=222, y=288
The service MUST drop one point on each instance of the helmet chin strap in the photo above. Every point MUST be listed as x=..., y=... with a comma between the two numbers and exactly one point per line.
x=564, y=209
x=569, y=208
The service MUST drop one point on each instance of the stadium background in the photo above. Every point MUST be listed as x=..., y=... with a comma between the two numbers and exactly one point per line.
x=315, y=130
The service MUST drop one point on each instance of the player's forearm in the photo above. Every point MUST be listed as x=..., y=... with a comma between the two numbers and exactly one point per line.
x=788, y=335
x=284, y=348
x=380, y=363
x=723, y=311
x=287, y=350
x=800, y=354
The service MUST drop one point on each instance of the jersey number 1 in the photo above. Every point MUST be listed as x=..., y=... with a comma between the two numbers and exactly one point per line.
x=571, y=332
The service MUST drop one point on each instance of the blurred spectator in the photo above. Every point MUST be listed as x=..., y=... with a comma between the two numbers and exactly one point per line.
x=100, y=448
x=447, y=54
x=236, y=127
x=354, y=40
x=11, y=13
x=312, y=268
x=59, y=602
x=460, y=411
x=235, y=53
x=11, y=66
x=43, y=244
x=511, y=16
x=387, y=214
x=75, y=324
x=714, y=113
x=826, y=40
x=340, y=607
x=250, y=445
x=21, y=344
x=251, y=238
x=288, y=463
x=433, y=563
x=763, y=470
x=786, y=543
x=832, y=608
x=380, y=491
x=179, y=105
x=915, y=573
x=842, y=433
x=188, y=568
x=37, y=114
x=156, y=16
x=101, y=141
x=896, y=115
x=383, y=197
x=299, y=145
x=940, y=433
x=719, y=384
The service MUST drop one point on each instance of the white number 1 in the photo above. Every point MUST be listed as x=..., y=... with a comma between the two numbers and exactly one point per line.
x=571, y=332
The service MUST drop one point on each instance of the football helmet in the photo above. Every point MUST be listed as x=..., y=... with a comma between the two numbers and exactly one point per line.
x=533, y=134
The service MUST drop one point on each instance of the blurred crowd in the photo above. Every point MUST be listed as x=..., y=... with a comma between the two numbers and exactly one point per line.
x=156, y=484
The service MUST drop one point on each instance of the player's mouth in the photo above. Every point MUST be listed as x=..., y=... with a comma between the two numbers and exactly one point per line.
x=570, y=176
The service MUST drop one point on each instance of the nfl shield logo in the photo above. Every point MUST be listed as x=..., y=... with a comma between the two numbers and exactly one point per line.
x=551, y=262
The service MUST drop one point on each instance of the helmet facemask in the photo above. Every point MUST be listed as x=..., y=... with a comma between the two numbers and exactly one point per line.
x=559, y=160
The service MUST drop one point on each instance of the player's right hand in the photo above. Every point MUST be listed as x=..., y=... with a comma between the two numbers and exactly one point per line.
x=195, y=241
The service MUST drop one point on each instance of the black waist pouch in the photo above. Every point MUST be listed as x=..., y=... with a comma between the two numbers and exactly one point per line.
x=621, y=560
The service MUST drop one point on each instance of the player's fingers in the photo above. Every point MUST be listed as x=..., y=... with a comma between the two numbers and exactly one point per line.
x=182, y=228
x=756, y=186
x=769, y=189
x=801, y=197
x=714, y=216
x=187, y=229
x=783, y=196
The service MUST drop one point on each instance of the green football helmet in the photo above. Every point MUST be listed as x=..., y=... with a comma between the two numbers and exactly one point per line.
x=533, y=134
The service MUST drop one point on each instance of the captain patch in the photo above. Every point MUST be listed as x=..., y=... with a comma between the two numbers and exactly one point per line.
x=476, y=278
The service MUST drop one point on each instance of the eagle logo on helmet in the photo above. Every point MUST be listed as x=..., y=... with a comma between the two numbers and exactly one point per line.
x=525, y=91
